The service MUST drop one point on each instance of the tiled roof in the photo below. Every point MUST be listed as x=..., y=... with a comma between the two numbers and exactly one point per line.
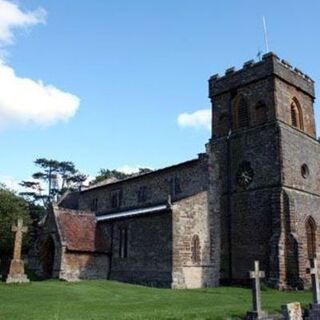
x=79, y=231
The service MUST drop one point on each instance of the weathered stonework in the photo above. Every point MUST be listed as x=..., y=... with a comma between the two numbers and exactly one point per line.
x=254, y=195
x=266, y=220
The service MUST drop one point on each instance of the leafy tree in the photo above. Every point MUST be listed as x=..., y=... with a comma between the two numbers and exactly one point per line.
x=58, y=177
x=115, y=174
x=104, y=174
x=12, y=207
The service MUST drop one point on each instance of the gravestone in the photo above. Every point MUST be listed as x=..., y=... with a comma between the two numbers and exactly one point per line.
x=16, y=271
x=257, y=313
x=314, y=307
x=292, y=311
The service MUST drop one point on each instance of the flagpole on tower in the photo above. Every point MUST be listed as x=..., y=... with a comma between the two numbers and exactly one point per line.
x=265, y=33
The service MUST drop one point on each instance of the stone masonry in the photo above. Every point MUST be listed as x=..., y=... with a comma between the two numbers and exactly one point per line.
x=254, y=195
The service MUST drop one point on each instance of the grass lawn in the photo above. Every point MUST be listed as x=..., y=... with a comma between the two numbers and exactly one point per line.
x=93, y=300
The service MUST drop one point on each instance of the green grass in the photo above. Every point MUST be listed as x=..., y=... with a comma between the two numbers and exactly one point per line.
x=95, y=300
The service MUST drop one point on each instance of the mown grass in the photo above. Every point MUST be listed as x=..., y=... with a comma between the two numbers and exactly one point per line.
x=95, y=300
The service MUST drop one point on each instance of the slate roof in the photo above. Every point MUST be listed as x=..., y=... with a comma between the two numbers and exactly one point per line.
x=79, y=231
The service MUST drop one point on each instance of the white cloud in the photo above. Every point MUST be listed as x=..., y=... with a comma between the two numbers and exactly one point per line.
x=12, y=17
x=200, y=119
x=128, y=169
x=10, y=183
x=25, y=101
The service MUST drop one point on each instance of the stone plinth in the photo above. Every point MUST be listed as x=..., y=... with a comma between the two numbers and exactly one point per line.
x=16, y=272
x=292, y=311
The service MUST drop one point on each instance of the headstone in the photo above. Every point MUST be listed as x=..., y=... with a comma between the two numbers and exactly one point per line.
x=292, y=311
x=257, y=313
x=314, y=308
x=16, y=271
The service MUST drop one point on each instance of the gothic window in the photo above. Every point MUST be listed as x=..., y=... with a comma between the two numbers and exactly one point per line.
x=115, y=199
x=296, y=114
x=241, y=113
x=142, y=194
x=123, y=242
x=94, y=204
x=311, y=237
x=260, y=112
x=195, y=249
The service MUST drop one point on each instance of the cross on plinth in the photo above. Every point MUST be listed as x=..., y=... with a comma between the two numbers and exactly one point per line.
x=256, y=275
x=16, y=271
x=19, y=229
x=314, y=280
x=257, y=312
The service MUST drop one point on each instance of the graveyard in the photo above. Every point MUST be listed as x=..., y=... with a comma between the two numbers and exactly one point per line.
x=97, y=300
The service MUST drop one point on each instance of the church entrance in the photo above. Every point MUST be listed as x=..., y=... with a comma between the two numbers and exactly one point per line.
x=47, y=257
x=311, y=237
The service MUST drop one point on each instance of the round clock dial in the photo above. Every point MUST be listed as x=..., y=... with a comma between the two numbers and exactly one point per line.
x=245, y=174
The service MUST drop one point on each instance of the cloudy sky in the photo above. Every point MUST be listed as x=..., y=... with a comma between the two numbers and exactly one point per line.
x=121, y=83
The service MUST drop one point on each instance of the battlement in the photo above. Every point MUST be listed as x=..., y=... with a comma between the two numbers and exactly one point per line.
x=270, y=65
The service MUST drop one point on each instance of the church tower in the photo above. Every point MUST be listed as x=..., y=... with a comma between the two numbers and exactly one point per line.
x=265, y=171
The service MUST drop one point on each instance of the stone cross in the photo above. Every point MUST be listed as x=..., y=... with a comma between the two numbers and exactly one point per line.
x=314, y=280
x=19, y=229
x=256, y=275
x=16, y=271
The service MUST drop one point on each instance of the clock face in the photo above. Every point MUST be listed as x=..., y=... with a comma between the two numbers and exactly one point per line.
x=245, y=174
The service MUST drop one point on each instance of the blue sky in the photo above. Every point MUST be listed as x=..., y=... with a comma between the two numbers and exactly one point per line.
x=135, y=66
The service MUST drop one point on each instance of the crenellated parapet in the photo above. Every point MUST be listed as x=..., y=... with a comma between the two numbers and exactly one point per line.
x=270, y=65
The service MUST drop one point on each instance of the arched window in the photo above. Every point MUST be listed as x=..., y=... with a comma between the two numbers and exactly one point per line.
x=311, y=237
x=260, y=112
x=241, y=113
x=296, y=114
x=195, y=248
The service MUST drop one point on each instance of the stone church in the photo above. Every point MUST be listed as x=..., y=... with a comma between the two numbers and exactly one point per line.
x=253, y=195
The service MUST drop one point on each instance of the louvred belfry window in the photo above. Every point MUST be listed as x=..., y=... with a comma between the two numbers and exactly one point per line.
x=243, y=114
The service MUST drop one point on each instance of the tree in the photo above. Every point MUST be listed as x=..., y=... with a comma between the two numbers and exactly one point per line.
x=117, y=175
x=12, y=207
x=104, y=174
x=58, y=177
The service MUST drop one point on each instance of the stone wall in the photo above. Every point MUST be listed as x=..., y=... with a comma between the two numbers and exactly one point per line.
x=284, y=95
x=149, y=249
x=303, y=197
x=246, y=212
x=78, y=266
x=191, y=219
x=191, y=177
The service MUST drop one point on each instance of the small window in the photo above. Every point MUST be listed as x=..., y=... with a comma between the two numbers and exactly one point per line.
x=94, y=205
x=123, y=242
x=305, y=171
x=195, y=248
x=296, y=114
x=142, y=194
x=115, y=199
x=311, y=238
x=260, y=112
